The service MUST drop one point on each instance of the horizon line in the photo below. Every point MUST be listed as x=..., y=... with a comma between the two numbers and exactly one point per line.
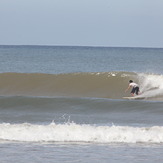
x=93, y=46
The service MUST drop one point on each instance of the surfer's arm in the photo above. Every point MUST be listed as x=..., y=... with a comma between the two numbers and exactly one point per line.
x=127, y=88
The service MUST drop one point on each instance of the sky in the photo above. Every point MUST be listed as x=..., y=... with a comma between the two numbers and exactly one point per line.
x=110, y=23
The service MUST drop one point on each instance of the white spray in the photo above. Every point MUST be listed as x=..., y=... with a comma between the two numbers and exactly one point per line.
x=151, y=85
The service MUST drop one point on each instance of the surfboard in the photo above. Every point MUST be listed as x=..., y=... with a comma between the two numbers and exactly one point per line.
x=134, y=98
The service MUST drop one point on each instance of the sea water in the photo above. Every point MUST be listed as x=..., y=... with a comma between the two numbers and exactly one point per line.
x=65, y=104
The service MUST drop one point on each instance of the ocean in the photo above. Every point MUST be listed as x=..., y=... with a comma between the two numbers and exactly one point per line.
x=65, y=104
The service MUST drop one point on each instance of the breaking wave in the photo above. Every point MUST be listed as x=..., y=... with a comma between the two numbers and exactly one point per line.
x=80, y=133
x=101, y=85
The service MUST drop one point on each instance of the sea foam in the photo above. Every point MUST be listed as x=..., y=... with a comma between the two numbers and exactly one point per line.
x=151, y=85
x=72, y=132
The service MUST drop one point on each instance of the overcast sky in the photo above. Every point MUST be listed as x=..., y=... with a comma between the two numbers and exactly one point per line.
x=129, y=23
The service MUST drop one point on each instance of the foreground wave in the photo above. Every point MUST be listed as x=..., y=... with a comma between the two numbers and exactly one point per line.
x=101, y=85
x=80, y=133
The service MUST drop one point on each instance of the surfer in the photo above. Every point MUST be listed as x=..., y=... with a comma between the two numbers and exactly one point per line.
x=134, y=86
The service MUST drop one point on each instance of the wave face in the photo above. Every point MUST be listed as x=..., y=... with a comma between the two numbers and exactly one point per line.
x=101, y=85
x=80, y=133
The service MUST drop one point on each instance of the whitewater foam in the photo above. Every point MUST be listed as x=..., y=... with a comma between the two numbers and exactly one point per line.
x=80, y=133
x=151, y=85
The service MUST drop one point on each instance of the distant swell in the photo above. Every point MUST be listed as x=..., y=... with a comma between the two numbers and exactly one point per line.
x=101, y=85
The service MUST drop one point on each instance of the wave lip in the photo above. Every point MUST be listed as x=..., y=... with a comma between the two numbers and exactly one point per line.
x=80, y=133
